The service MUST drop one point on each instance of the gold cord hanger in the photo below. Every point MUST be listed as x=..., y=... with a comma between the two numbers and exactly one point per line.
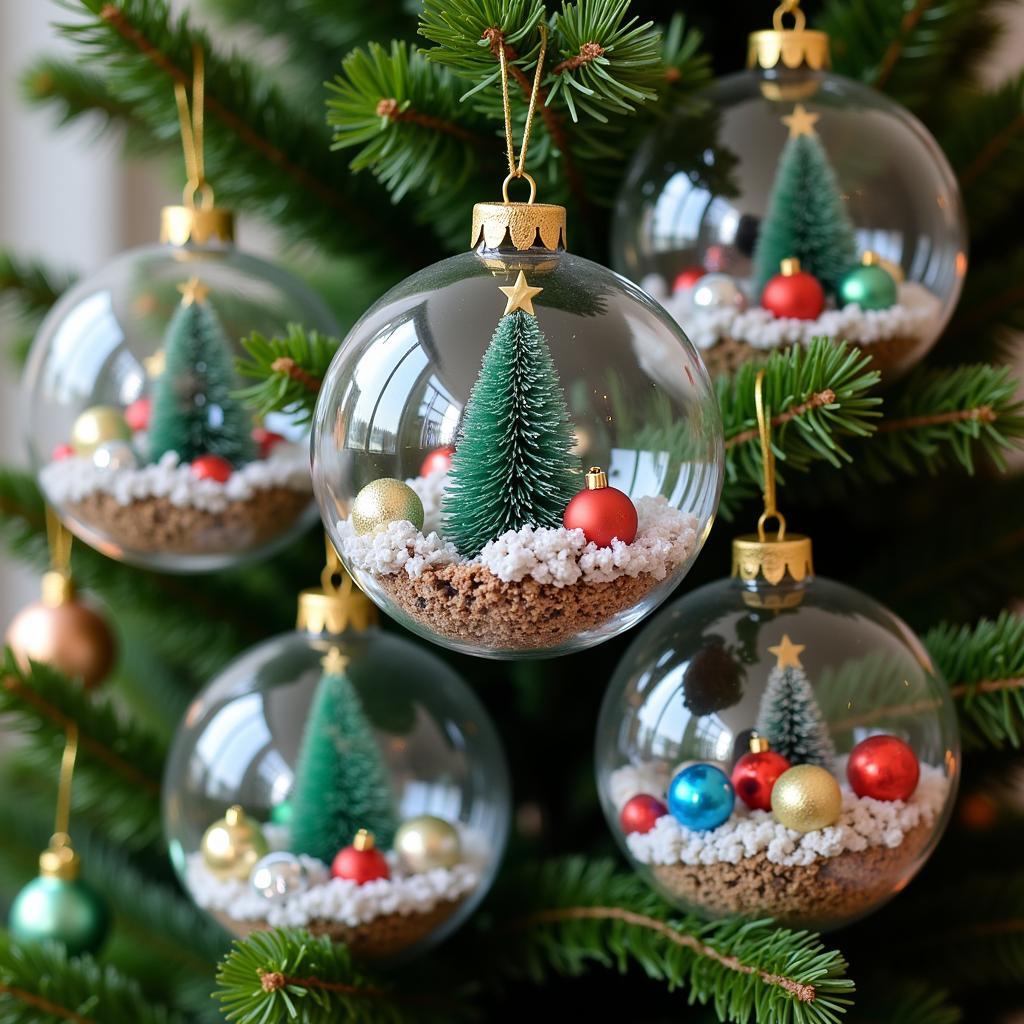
x=191, y=123
x=756, y=556
x=58, y=587
x=517, y=169
x=59, y=859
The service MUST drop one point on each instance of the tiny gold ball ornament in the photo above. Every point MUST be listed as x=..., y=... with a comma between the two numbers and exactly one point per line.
x=428, y=842
x=61, y=632
x=806, y=798
x=386, y=501
x=232, y=845
x=97, y=425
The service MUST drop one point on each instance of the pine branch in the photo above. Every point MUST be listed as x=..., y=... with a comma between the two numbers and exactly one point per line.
x=29, y=287
x=405, y=115
x=817, y=398
x=289, y=370
x=984, y=141
x=40, y=984
x=119, y=763
x=915, y=50
x=984, y=665
x=939, y=417
x=261, y=152
x=567, y=915
x=896, y=1000
x=292, y=975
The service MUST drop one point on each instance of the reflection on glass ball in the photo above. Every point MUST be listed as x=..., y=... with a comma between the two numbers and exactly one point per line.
x=825, y=667
x=362, y=731
x=700, y=192
x=639, y=406
x=103, y=349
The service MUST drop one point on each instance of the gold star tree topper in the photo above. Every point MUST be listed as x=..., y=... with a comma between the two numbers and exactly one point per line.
x=334, y=662
x=788, y=653
x=801, y=121
x=193, y=290
x=520, y=296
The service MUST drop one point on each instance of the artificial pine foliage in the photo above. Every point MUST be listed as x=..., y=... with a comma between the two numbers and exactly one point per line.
x=513, y=463
x=194, y=411
x=791, y=720
x=341, y=784
x=854, y=459
x=805, y=218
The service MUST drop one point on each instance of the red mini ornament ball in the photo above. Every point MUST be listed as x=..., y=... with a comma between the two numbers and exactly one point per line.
x=687, y=278
x=603, y=513
x=754, y=775
x=438, y=459
x=267, y=440
x=794, y=293
x=361, y=862
x=137, y=414
x=883, y=767
x=61, y=452
x=640, y=812
x=211, y=467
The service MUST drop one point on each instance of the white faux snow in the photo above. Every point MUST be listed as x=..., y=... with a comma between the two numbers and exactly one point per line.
x=863, y=823
x=330, y=899
x=68, y=481
x=665, y=538
x=915, y=314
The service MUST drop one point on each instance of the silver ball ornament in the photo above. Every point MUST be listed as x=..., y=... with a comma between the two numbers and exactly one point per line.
x=111, y=455
x=716, y=291
x=279, y=876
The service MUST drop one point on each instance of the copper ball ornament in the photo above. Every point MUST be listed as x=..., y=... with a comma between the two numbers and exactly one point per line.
x=427, y=842
x=63, y=633
x=807, y=798
x=386, y=501
x=884, y=768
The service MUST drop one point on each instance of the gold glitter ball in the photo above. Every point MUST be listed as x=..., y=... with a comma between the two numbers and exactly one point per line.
x=232, y=845
x=806, y=798
x=386, y=501
x=96, y=426
x=428, y=842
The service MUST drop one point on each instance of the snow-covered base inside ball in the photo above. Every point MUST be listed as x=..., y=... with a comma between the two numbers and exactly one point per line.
x=163, y=507
x=533, y=587
x=914, y=317
x=377, y=919
x=754, y=865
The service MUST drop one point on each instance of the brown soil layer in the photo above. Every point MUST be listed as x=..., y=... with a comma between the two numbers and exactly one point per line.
x=156, y=525
x=468, y=602
x=890, y=357
x=819, y=895
x=384, y=936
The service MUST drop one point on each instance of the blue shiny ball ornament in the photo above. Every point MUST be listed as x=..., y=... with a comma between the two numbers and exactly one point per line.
x=701, y=797
x=66, y=911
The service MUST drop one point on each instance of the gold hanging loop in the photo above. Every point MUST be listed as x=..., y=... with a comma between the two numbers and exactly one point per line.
x=764, y=430
x=517, y=169
x=191, y=125
x=67, y=772
x=59, y=540
x=789, y=7
x=511, y=177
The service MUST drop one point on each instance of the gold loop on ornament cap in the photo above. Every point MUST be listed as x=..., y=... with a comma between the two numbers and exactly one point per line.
x=337, y=605
x=524, y=226
x=792, y=48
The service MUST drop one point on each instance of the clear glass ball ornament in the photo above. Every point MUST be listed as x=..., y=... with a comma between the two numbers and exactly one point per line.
x=698, y=198
x=93, y=381
x=808, y=669
x=311, y=753
x=639, y=406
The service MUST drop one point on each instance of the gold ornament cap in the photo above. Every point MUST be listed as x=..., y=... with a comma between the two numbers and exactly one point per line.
x=197, y=225
x=756, y=557
x=596, y=478
x=788, y=48
x=521, y=226
x=363, y=840
x=759, y=744
x=59, y=860
x=58, y=588
x=789, y=267
x=334, y=611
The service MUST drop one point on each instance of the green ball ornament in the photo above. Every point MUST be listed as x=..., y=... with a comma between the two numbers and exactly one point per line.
x=68, y=911
x=386, y=501
x=869, y=286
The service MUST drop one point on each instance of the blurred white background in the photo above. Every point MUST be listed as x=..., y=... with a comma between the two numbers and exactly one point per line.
x=71, y=201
